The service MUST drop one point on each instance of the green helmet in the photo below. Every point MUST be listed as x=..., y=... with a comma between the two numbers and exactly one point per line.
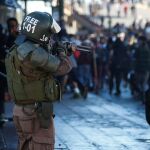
x=39, y=26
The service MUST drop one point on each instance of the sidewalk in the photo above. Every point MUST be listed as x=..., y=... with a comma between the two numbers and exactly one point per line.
x=8, y=137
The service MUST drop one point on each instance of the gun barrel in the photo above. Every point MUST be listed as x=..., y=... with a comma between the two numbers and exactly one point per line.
x=83, y=48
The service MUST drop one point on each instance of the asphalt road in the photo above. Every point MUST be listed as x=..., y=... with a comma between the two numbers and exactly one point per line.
x=107, y=123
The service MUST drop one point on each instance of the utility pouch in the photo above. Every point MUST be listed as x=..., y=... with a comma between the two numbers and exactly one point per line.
x=53, y=90
x=44, y=112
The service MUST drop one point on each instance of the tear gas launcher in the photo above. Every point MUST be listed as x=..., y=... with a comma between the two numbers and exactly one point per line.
x=71, y=47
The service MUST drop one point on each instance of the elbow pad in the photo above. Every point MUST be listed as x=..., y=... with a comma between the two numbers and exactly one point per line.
x=65, y=65
x=38, y=56
x=41, y=58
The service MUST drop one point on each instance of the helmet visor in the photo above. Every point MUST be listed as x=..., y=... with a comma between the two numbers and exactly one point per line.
x=55, y=27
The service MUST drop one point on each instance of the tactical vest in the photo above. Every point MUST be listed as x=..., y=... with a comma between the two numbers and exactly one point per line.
x=28, y=89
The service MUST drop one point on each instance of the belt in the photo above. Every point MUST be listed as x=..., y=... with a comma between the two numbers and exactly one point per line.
x=32, y=107
x=26, y=102
x=30, y=104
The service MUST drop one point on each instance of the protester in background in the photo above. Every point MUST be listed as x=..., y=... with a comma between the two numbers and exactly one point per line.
x=142, y=65
x=133, y=11
x=84, y=69
x=5, y=43
x=3, y=83
x=118, y=8
x=116, y=64
x=125, y=9
x=70, y=81
x=102, y=60
x=13, y=31
x=12, y=26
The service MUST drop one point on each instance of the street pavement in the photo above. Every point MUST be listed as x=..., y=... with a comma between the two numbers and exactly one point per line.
x=101, y=122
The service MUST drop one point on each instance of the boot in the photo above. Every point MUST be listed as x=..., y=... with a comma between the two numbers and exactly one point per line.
x=85, y=92
x=76, y=93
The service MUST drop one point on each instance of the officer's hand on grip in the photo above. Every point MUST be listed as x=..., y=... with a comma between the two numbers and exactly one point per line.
x=65, y=47
x=70, y=48
x=58, y=48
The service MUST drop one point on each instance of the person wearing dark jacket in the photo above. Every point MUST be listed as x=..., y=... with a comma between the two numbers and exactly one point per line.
x=3, y=83
x=142, y=66
x=12, y=26
x=84, y=71
x=116, y=65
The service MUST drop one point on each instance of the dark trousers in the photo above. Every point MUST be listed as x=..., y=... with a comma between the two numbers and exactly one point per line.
x=2, y=92
x=116, y=74
x=3, y=87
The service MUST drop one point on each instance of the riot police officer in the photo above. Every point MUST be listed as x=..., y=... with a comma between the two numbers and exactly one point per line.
x=31, y=70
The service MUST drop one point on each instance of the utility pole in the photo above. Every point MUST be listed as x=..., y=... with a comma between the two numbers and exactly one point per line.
x=25, y=4
x=61, y=9
x=62, y=33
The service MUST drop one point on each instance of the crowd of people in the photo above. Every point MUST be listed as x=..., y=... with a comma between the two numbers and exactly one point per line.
x=119, y=55
x=7, y=38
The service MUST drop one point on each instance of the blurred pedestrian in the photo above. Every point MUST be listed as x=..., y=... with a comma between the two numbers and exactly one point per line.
x=134, y=11
x=118, y=9
x=116, y=65
x=71, y=81
x=84, y=70
x=108, y=6
x=13, y=31
x=3, y=82
x=101, y=60
x=142, y=65
x=125, y=9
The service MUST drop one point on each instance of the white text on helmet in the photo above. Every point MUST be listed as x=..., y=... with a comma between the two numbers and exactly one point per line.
x=44, y=38
x=29, y=24
x=31, y=20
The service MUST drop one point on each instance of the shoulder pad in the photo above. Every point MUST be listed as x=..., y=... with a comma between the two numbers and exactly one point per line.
x=26, y=48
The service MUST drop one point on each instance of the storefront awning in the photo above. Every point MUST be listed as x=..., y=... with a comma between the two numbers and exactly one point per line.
x=10, y=3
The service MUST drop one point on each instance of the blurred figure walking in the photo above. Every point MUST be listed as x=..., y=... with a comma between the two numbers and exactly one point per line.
x=116, y=65
x=13, y=31
x=3, y=82
x=142, y=65
x=84, y=70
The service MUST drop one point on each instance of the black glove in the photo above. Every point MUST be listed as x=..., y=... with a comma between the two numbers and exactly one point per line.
x=58, y=47
x=68, y=46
